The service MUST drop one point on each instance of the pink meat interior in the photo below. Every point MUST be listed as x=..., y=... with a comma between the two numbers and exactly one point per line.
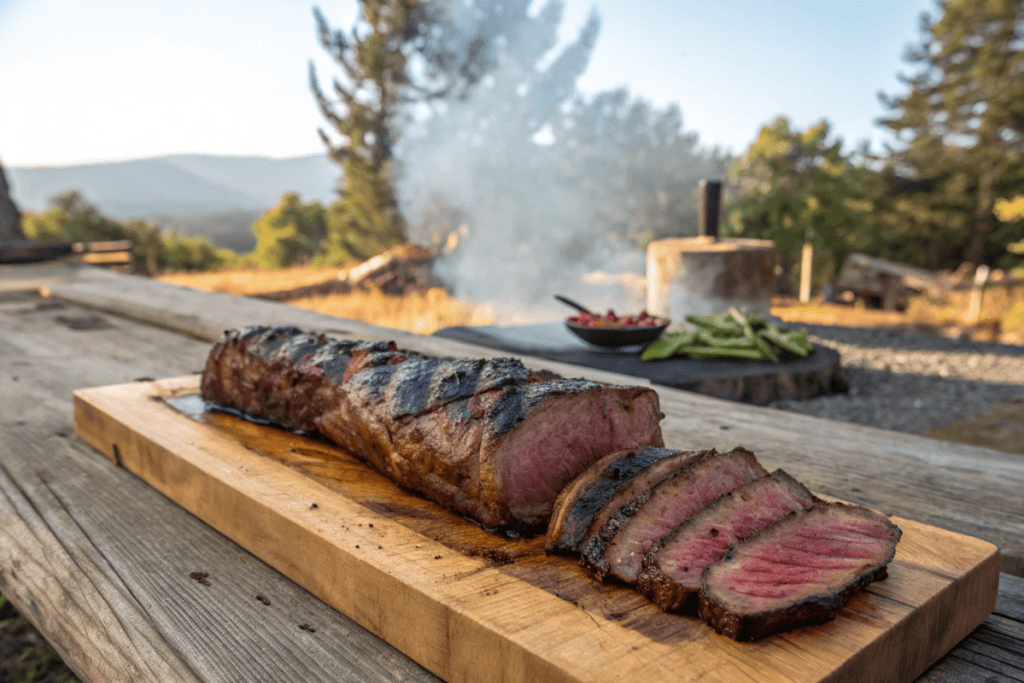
x=750, y=508
x=800, y=560
x=672, y=503
x=562, y=438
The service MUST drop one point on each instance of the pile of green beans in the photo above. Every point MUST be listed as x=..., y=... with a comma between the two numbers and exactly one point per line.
x=729, y=335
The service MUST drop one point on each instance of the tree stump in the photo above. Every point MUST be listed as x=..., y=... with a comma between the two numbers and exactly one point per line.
x=702, y=275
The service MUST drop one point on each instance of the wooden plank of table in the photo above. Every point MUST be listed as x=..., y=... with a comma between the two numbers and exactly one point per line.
x=972, y=490
x=101, y=563
x=995, y=651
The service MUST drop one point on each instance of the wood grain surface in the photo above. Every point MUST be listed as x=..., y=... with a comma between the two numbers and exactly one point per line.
x=113, y=517
x=445, y=592
x=100, y=562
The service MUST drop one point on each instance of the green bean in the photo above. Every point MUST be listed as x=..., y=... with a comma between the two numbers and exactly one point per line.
x=726, y=342
x=668, y=345
x=714, y=323
x=801, y=338
x=787, y=340
x=765, y=347
x=710, y=352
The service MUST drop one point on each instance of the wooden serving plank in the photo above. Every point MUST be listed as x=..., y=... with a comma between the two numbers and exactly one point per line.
x=471, y=605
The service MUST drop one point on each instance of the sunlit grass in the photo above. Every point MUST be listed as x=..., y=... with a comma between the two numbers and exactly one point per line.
x=252, y=281
x=422, y=312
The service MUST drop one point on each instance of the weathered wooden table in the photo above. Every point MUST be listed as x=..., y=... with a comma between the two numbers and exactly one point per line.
x=103, y=564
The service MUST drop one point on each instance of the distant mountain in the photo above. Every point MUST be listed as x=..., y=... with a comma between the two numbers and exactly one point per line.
x=212, y=195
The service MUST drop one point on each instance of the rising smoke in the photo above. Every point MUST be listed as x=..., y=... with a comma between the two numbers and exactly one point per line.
x=535, y=190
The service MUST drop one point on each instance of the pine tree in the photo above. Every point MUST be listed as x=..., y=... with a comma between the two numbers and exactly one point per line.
x=398, y=53
x=364, y=116
x=961, y=124
x=794, y=187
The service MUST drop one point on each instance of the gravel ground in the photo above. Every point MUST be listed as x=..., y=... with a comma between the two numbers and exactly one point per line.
x=912, y=382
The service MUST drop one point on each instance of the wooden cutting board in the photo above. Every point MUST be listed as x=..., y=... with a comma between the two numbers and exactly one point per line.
x=471, y=605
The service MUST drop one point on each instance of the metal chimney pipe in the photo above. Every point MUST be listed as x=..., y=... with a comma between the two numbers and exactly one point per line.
x=710, y=207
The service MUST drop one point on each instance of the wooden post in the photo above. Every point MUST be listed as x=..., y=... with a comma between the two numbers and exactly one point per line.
x=806, y=265
x=977, y=295
x=709, y=207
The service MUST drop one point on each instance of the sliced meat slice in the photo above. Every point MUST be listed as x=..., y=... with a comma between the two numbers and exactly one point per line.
x=800, y=570
x=601, y=530
x=669, y=504
x=671, y=572
x=582, y=499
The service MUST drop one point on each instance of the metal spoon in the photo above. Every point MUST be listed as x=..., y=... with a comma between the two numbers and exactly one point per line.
x=570, y=302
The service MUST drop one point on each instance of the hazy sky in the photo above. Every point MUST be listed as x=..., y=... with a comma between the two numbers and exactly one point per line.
x=113, y=79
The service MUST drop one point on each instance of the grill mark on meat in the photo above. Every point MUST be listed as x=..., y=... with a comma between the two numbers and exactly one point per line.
x=372, y=381
x=517, y=402
x=637, y=486
x=298, y=347
x=266, y=340
x=412, y=386
x=508, y=411
x=425, y=384
x=751, y=593
x=456, y=379
x=501, y=372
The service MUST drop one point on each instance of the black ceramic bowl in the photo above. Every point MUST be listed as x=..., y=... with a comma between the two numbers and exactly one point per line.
x=615, y=337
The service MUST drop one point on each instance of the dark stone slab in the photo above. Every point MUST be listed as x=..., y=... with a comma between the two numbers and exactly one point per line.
x=748, y=381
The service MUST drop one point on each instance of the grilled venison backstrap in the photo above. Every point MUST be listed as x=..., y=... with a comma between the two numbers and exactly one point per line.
x=486, y=438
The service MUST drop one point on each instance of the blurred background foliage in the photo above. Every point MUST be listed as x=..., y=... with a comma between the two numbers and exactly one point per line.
x=155, y=251
x=941, y=192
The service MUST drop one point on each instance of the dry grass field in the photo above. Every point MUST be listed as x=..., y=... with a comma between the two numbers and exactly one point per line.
x=421, y=312
x=1001, y=316
x=252, y=281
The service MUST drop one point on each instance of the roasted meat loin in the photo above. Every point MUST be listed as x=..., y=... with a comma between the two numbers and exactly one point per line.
x=486, y=438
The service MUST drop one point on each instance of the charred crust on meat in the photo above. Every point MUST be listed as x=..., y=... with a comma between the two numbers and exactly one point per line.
x=373, y=379
x=412, y=386
x=508, y=411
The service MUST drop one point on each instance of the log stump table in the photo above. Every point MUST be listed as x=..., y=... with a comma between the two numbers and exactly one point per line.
x=702, y=275
x=748, y=381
